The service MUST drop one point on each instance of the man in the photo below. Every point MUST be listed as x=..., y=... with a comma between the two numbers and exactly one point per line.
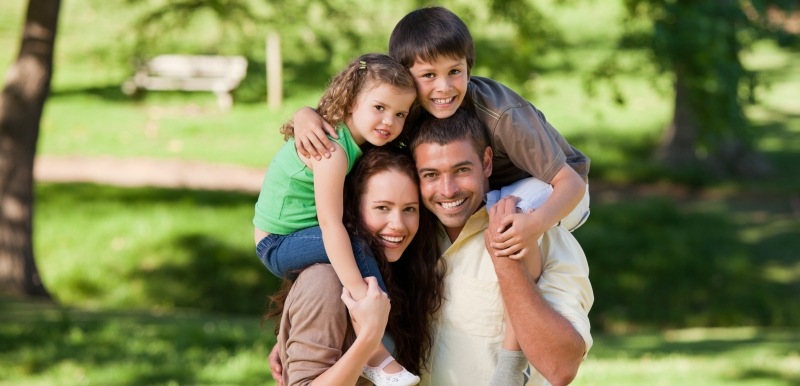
x=550, y=320
x=549, y=317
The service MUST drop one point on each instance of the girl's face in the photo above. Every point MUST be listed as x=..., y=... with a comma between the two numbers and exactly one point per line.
x=390, y=209
x=379, y=114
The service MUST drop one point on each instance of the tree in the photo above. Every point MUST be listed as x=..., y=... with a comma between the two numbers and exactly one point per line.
x=700, y=45
x=21, y=104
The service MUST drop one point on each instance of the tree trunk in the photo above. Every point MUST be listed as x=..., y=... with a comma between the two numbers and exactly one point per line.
x=677, y=148
x=21, y=104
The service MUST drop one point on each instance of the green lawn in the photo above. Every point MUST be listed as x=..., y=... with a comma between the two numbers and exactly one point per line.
x=47, y=345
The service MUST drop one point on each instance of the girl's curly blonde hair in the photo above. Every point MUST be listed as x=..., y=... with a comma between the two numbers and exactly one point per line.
x=368, y=70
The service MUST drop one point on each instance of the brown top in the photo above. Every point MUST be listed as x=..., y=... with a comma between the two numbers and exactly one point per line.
x=523, y=141
x=315, y=330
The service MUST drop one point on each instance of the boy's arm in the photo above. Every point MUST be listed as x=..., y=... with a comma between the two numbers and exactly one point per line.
x=329, y=174
x=522, y=231
x=310, y=134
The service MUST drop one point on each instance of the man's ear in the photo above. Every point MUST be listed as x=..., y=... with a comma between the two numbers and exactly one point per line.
x=487, y=161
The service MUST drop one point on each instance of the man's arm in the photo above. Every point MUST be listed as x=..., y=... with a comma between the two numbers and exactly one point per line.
x=550, y=342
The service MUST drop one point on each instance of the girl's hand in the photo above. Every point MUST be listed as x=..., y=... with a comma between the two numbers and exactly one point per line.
x=370, y=314
x=310, y=134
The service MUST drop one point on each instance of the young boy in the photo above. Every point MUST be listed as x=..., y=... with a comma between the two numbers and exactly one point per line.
x=437, y=47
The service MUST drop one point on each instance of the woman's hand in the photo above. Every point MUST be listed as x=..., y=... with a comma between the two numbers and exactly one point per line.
x=310, y=134
x=275, y=365
x=370, y=314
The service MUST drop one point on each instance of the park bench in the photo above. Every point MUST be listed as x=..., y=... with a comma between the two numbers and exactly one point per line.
x=218, y=74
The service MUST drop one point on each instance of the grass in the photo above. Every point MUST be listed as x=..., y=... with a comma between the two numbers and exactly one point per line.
x=732, y=356
x=48, y=345
x=170, y=248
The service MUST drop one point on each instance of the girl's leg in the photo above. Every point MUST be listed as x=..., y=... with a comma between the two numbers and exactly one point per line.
x=284, y=254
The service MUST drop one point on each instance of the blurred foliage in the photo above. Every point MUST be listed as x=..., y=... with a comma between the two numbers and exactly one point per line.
x=700, y=44
x=319, y=37
x=656, y=263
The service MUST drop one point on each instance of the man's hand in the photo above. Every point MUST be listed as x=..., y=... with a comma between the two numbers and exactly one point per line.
x=275, y=365
x=514, y=234
x=310, y=134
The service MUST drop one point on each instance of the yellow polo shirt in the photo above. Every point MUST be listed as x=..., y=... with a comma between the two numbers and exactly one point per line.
x=470, y=327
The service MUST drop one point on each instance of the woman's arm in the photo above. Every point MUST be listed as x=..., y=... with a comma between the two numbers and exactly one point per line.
x=329, y=177
x=369, y=316
x=314, y=330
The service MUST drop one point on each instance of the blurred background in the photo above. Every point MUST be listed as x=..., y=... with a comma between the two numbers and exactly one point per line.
x=690, y=112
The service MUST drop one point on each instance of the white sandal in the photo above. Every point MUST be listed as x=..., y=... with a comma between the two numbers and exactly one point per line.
x=382, y=378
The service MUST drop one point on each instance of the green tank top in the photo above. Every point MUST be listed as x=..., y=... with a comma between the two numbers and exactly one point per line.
x=286, y=202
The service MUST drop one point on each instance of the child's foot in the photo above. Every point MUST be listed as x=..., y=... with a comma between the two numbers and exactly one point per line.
x=381, y=378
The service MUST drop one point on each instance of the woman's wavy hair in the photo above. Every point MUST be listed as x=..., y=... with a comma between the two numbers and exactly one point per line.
x=415, y=282
x=368, y=70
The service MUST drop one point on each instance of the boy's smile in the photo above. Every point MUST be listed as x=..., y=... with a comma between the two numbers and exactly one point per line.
x=441, y=84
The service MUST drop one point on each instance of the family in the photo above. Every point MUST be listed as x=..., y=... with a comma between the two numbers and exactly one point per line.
x=421, y=218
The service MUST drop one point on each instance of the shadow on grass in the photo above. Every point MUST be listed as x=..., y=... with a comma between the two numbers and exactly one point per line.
x=209, y=275
x=184, y=265
x=129, y=348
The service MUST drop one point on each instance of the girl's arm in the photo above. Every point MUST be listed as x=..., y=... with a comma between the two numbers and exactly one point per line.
x=329, y=174
x=310, y=134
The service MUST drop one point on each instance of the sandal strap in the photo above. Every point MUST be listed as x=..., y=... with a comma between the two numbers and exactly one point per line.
x=386, y=362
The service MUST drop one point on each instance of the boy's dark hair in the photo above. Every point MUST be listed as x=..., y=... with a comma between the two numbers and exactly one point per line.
x=463, y=125
x=429, y=33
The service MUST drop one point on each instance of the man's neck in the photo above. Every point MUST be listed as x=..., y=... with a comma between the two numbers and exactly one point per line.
x=452, y=233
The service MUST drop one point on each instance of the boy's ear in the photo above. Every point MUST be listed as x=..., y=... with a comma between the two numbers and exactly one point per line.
x=487, y=161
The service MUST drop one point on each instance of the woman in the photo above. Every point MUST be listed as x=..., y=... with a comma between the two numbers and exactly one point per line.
x=382, y=206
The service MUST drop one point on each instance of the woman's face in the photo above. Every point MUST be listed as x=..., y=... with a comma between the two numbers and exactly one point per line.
x=390, y=209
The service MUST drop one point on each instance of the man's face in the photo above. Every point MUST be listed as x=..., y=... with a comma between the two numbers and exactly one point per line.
x=453, y=181
x=441, y=85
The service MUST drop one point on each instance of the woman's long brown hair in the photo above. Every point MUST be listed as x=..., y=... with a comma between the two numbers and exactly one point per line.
x=414, y=282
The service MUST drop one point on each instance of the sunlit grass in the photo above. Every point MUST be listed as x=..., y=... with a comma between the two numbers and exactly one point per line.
x=736, y=356
x=47, y=345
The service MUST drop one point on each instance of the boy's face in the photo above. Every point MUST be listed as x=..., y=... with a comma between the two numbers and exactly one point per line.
x=441, y=84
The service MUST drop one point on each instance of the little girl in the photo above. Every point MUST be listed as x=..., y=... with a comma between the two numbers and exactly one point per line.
x=298, y=216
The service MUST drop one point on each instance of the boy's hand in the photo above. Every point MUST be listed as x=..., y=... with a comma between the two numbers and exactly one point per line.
x=310, y=134
x=515, y=233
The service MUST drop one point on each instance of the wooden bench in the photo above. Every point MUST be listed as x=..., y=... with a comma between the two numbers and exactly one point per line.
x=218, y=74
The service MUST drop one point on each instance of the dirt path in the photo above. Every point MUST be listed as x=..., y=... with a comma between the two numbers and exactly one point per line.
x=132, y=172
